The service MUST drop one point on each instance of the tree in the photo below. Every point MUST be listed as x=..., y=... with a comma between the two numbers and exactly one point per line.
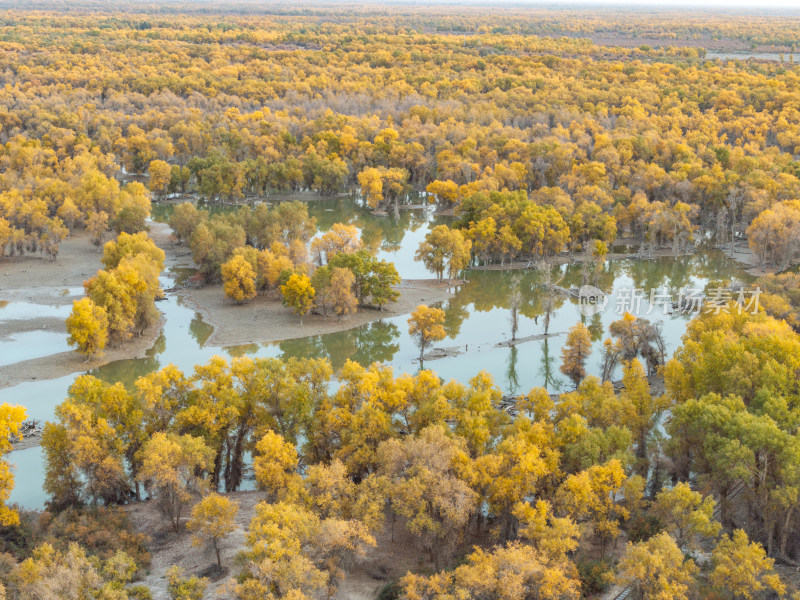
x=575, y=352
x=555, y=537
x=298, y=293
x=640, y=409
x=444, y=248
x=87, y=326
x=685, y=514
x=773, y=233
x=425, y=326
x=508, y=572
x=446, y=192
x=92, y=449
x=275, y=467
x=213, y=519
x=342, y=298
x=185, y=219
x=185, y=588
x=656, y=569
x=129, y=245
x=170, y=470
x=379, y=283
x=160, y=176
x=741, y=569
x=292, y=553
x=239, y=279
x=11, y=417
x=591, y=494
x=97, y=225
x=340, y=238
x=374, y=278
x=71, y=573
x=380, y=185
x=425, y=489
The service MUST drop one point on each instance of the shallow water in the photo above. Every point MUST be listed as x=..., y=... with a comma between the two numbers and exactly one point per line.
x=32, y=344
x=786, y=57
x=14, y=311
x=478, y=318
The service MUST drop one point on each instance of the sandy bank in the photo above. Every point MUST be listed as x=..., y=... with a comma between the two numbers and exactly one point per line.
x=57, y=283
x=265, y=319
x=64, y=363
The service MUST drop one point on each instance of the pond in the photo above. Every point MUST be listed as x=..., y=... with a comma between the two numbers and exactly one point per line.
x=478, y=324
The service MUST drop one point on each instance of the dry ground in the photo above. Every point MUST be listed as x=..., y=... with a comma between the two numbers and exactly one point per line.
x=265, y=319
x=389, y=560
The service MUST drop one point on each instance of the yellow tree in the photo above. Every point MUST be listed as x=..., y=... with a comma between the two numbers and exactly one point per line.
x=640, y=409
x=741, y=569
x=426, y=325
x=184, y=588
x=425, y=489
x=444, y=248
x=10, y=419
x=298, y=293
x=381, y=184
x=340, y=238
x=213, y=519
x=87, y=326
x=97, y=225
x=510, y=572
x=340, y=291
x=445, y=192
x=685, y=514
x=553, y=536
x=575, y=352
x=160, y=176
x=275, y=466
x=239, y=279
x=170, y=470
x=591, y=494
x=656, y=569
x=129, y=245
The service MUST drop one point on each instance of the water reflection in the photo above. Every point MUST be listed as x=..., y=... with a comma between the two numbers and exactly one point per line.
x=373, y=342
x=480, y=321
x=200, y=330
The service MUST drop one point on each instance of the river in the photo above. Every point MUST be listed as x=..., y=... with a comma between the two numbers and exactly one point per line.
x=478, y=322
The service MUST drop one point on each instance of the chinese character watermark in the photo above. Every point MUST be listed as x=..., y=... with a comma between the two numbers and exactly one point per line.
x=684, y=301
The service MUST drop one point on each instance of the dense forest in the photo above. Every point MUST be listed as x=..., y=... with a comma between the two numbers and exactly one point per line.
x=546, y=135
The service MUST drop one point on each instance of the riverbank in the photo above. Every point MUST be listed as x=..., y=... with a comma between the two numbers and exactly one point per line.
x=740, y=252
x=265, y=319
x=40, y=293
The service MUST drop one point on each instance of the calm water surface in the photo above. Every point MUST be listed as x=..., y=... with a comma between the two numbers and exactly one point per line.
x=478, y=320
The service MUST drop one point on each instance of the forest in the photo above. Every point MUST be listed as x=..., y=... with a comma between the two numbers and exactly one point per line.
x=533, y=140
